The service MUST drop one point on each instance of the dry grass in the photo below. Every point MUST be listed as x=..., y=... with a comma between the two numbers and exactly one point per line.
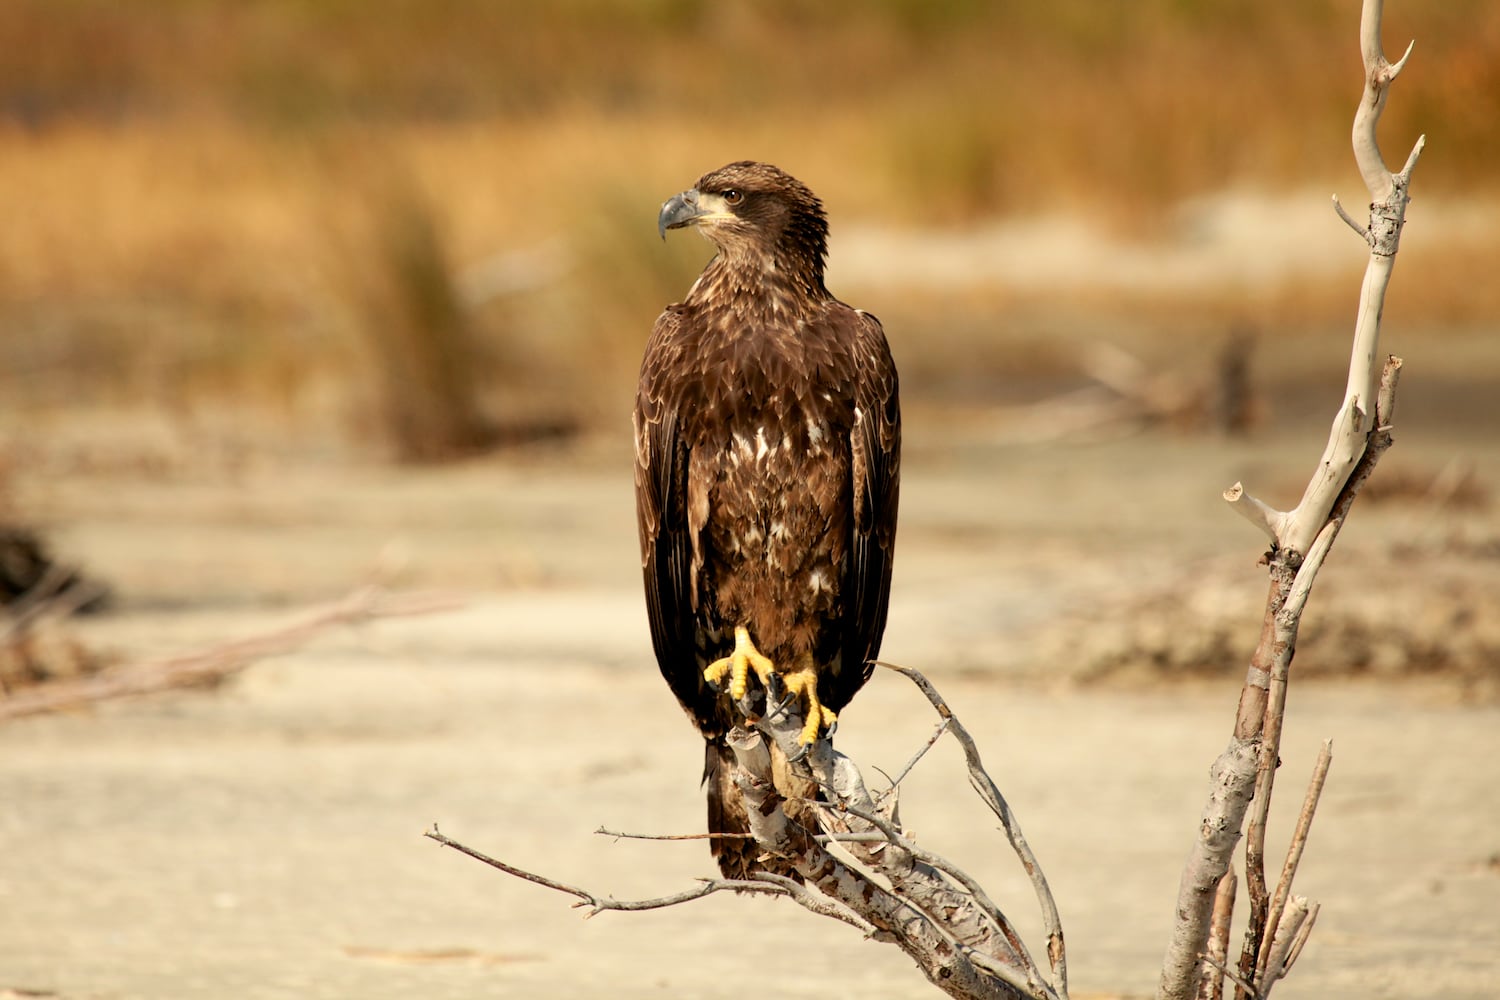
x=185, y=185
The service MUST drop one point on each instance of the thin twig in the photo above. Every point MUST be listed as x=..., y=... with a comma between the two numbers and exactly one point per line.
x=598, y=904
x=860, y=837
x=937, y=734
x=824, y=838
x=1234, y=976
x=1338, y=207
x=622, y=835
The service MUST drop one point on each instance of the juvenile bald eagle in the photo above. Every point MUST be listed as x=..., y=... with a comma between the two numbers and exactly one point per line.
x=768, y=439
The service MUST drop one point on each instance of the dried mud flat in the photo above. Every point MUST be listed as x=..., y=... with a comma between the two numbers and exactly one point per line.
x=264, y=839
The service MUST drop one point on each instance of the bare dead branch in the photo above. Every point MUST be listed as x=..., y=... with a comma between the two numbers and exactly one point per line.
x=215, y=662
x=1283, y=633
x=891, y=834
x=1362, y=231
x=1232, y=779
x=1257, y=739
x=622, y=835
x=1211, y=982
x=1302, y=539
x=1385, y=409
x=1294, y=856
x=942, y=927
x=1302, y=934
x=598, y=904
x=1005, y=973
x=763, y=882
x=822, y=838
x=937, y=734
x=1388, y=201
x=1278, y=645
x=1262, y=515
x=1378, y=76
x=822, y=905
x=985, y=786
x=1225, y=970
x=1289, y=934
x=888, y=888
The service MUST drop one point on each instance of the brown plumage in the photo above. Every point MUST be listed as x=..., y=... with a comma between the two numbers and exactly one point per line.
x=768, y=438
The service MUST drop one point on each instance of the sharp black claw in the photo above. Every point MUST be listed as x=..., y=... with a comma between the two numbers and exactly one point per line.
x=801, y=753
x=833, y=727
x=779, y=700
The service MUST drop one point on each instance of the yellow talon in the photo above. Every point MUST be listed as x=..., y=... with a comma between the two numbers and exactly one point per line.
x=737, y=665
x=803, y=684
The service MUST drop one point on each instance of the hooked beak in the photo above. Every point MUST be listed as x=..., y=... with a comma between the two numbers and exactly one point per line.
x=680, y=210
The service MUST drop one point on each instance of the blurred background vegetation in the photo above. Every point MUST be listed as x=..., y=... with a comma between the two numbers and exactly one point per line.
x=419, y=228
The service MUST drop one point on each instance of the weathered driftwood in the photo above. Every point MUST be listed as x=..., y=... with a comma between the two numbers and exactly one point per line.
x=220, y=660
x=1301, y=538
x=862, y=867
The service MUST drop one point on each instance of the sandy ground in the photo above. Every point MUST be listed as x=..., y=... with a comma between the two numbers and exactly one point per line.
x=264, y=839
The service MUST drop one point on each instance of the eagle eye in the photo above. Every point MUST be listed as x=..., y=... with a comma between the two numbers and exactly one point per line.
x=733, y=197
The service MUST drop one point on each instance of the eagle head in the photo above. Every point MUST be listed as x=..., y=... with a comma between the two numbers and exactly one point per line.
x=751, y=209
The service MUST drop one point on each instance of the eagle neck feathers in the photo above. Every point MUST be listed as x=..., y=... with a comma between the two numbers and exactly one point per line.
x=759, y=291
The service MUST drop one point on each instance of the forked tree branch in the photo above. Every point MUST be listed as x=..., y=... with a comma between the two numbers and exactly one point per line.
x=880, y=881
x=222, y=659
x=1297, y=528
x=598, y=904
x=983, y=784
x=1301, y=539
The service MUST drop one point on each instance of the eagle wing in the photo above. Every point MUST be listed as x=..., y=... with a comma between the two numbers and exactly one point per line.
x=875, y=470
x=661, y=511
